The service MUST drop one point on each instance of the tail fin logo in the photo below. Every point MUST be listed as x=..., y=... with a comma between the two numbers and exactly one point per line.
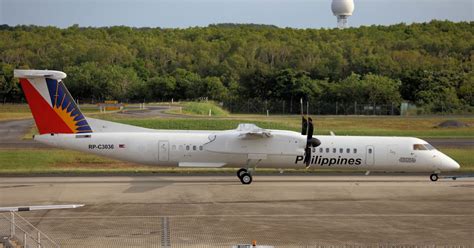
x=65, y=107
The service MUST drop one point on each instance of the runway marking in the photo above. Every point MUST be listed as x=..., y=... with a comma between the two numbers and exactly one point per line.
x=254, y=215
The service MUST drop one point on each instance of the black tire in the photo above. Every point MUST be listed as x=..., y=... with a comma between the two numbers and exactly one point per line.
x=434, y=177
x=246, y=178
x=241, y=172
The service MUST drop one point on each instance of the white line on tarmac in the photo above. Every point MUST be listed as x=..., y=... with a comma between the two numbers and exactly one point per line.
x=256, y=215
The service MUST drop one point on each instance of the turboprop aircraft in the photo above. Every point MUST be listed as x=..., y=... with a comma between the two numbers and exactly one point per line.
x=61, y=124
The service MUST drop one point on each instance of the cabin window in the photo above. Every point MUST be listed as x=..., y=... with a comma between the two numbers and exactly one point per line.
x=348, y=150
x=187, y=148
x=200, y=148
x=334, y=150
x=355, y=150
x=370, y=150
x=419, y=147
x=341, y=150
x=194, y=148
x=327, y=150
x=321, y=150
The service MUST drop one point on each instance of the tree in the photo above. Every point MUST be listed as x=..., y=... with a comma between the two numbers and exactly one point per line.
x=212, y=88
x=161, y=87
x=430, y=62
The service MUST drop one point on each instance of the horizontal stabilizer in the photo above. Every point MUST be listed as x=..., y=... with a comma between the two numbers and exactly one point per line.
x=58, y=75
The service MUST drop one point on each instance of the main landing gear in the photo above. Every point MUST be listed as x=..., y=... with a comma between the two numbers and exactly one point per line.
x=434, y=177
x=244, y=176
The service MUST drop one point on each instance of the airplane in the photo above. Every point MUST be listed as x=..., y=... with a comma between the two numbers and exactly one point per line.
x=61, y=124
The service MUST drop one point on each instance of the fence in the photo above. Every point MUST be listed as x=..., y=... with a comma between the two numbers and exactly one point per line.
x=22, y=232
x=258, y=106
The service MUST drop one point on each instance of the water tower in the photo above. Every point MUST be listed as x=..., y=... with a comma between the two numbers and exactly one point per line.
x=342, y=9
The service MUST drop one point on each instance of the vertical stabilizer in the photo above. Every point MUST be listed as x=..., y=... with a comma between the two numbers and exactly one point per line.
x=51, y=104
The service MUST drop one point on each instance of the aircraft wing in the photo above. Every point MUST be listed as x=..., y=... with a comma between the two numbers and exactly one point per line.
x=255, y=142
x=42, y=207
x=251, y=131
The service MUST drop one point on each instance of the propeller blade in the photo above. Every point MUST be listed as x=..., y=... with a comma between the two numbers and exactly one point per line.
x=304, y=125
x=311, y=142
x=301, y=104
x=310, y=128
x=307, y=157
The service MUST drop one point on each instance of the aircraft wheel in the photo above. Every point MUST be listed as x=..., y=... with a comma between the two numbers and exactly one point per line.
x=241, y=172
x=434, y=177
x=246, y=178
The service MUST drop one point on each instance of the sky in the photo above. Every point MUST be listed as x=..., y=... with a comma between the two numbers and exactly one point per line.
x=190, y=13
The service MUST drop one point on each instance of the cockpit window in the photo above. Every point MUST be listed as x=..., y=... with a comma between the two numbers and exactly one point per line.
x=419, y=147
x=429, y=147
x=423, y=147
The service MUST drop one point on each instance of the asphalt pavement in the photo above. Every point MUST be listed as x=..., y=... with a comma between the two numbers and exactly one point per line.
x=218, y=211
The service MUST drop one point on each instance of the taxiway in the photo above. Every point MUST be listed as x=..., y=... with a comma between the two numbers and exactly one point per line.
x=217, y=211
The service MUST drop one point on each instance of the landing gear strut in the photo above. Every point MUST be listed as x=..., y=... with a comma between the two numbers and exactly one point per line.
x=244, y=176
x=434, y=177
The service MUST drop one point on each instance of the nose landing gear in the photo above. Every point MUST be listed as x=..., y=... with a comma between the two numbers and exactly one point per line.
x=434, y=177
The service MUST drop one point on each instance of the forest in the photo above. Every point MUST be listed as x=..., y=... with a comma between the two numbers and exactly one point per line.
x=427, y=64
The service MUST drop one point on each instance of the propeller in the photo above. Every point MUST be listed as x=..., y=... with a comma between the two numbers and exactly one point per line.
x=307, y=128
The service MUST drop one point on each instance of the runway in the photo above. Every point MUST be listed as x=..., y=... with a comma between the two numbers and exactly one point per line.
x=217, y=211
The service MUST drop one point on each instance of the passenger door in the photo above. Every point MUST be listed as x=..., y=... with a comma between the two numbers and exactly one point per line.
x=163, y=151
x=369, y=155
x=392, y=155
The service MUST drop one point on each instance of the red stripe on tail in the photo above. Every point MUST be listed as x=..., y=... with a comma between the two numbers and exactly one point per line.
x=46, y=119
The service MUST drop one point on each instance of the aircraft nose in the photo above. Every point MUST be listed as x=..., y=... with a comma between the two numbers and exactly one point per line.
x=450, y=164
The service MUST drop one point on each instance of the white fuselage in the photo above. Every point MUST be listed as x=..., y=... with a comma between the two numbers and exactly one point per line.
x=284, y=150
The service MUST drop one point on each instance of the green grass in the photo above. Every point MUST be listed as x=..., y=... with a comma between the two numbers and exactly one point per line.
x=463, y=156
x=14, y=111
x=423, y=127
x=24, y=161
x=199, y=124
x=22, y=111
x=201, y=108
x=56, y=160
x=375, y=126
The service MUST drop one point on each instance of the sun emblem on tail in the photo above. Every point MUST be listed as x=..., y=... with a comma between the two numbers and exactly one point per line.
x=66, y=108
